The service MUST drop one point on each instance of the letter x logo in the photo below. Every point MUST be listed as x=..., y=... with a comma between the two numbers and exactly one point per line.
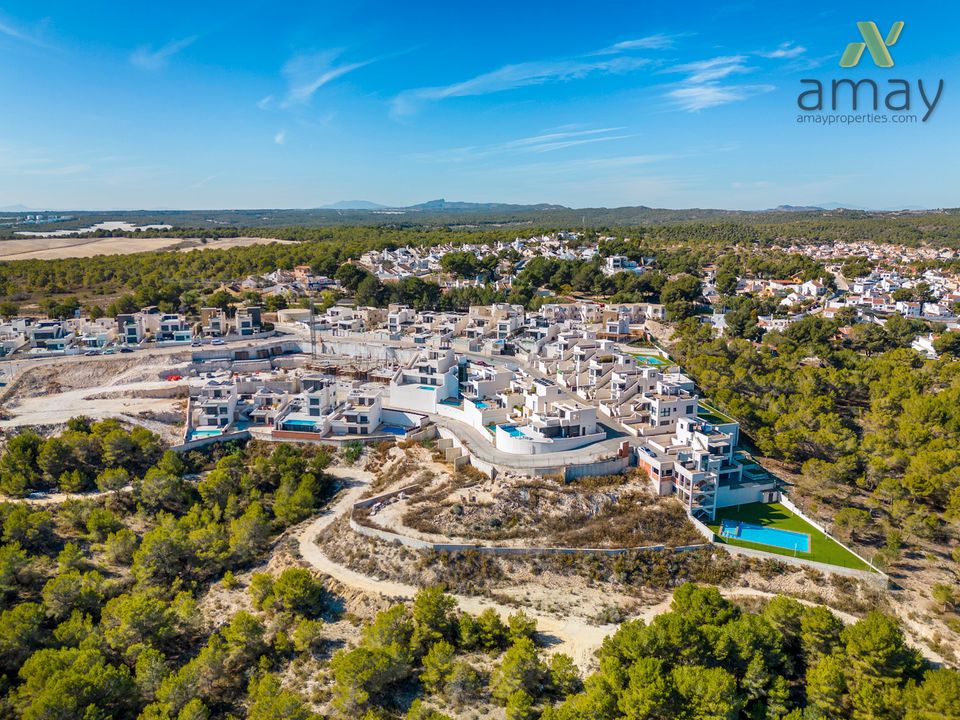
x=873, y=42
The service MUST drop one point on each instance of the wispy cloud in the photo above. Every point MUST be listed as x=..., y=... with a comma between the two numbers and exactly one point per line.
x=146, y=57
x=519, y=75
x=784, y=50
x=717, y=68
x=660, y=41
x=281, y=137
x=264, y=103
x=535, y=144
x=16, y=32
x=56, y=171
x=308, y=73
x=702, y=87
x=700, y=97
x=203, y=182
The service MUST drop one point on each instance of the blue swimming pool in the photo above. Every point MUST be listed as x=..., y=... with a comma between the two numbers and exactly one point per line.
x=393, y=430
x=197, y=433
x=427, y=387
x=480, y=404
x=512, y=430
x=649, y=359
x=299, y=423
x=786, y=539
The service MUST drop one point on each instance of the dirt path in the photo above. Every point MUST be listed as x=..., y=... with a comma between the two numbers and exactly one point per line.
x=55, y=498
x=573, y=635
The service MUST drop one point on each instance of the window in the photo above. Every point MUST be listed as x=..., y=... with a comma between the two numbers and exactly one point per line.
x=689, y=410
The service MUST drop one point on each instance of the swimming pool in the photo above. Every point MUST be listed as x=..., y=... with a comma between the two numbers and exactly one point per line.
x=512, y=430
x=786, y=539
x=427, y=387
x=480, y=404
x=393, y=430
x=204, y=432
x=649, y=359
x=299, y=423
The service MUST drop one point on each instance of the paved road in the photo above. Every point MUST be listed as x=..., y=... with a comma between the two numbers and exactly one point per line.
x=12, y=367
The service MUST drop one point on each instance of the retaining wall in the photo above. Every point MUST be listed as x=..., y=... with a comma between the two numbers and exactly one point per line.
x=420, y=544
x=702, y=529
x=212, y=440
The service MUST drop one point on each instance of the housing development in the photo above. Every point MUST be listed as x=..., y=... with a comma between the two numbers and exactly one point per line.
x=520, y=415
x=370, y=361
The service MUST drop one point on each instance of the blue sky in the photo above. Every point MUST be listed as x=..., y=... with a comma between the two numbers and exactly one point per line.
x=241, y=105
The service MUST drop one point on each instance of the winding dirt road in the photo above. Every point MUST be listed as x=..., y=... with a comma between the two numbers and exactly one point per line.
x=572, y=635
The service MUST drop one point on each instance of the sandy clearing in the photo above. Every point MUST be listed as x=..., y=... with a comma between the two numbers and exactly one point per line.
x=73, y=247
x=53, y=409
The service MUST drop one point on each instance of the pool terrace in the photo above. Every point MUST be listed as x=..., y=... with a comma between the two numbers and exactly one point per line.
x=823, y=548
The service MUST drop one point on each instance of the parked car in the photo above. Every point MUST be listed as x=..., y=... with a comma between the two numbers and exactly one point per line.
x=125, y=350
x=217, y=341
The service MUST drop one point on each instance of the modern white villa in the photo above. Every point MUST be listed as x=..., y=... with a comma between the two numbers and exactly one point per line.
x=500, y=381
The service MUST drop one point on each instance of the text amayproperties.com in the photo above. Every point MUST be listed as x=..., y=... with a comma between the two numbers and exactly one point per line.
x=826, y=119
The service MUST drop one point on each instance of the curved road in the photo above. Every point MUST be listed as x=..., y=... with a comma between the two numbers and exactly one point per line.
x=573, y=635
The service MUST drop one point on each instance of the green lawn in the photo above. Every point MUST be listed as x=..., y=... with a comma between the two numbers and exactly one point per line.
x=650, y=359
x=823, y=549
x=712, y=415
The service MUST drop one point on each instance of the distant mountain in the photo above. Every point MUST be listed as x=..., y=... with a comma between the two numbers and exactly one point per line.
x=353, y=205
x=17, y=208
x=796, y=208
x=442, y=204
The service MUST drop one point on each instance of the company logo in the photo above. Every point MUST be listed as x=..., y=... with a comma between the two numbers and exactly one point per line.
x=873, y=42
x=877, y=100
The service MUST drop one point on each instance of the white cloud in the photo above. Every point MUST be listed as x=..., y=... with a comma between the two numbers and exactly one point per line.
x=703, y=71
x=700, y=97
x=308, y=73
x=535, y=144
x=146, y=58
x=514, y=76
x=659, y=41
x=264, y=103
x=281, y=137
x=702, y=88
x=784, y=50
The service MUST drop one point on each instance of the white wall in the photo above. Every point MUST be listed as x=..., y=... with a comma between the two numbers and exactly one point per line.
x=529, y=446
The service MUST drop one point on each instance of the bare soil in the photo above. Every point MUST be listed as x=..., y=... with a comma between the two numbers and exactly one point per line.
x=39, y=248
